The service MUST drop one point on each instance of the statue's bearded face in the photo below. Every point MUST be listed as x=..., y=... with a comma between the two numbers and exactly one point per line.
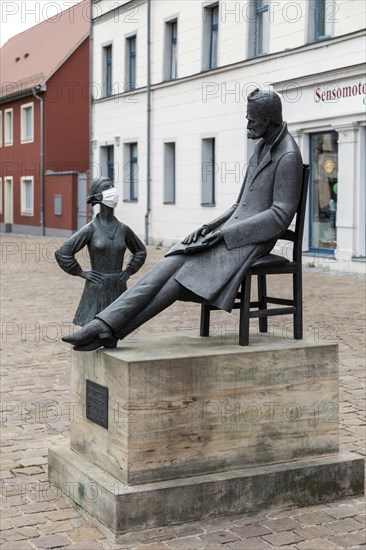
x=257, y=125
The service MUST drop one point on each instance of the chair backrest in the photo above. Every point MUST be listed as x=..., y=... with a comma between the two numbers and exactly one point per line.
x=297, y=235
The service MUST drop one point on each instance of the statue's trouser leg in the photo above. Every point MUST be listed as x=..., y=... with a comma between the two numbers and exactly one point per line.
x=154, y=292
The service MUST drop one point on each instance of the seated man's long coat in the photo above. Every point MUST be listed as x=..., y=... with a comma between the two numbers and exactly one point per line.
x=265, y=208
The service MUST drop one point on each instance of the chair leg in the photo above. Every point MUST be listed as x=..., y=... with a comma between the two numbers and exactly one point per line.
x=244, y=311
x=297, y=287
x=205, y=320
x=262, y=298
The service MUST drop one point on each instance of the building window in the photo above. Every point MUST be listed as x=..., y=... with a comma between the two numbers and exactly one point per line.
x=8, y=199
x=1, y=128
x=131, y=172
x=210, y=36
x=171, y=58
x=208, y=172
x=169, y=173
x=130, y=63
x=57, y=205
x=323, y=191
x=27, y=122
x=8, y=130
x=107, y=71
x=26, y=196
x=258, y=28
x=321, y=19
x=107, y=161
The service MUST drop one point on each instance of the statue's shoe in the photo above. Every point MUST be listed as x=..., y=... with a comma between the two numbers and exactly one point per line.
x=109, y=343
x=96, y=329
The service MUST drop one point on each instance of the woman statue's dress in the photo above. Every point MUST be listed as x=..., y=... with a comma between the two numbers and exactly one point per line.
x=106, y=251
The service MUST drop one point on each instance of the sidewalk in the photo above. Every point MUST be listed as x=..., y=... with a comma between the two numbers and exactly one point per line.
x=38, y=304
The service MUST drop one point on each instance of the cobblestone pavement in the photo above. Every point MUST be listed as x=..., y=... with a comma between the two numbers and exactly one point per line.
x=38, y=302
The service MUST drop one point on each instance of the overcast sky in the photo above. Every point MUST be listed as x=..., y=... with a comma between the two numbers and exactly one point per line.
x=18, y=15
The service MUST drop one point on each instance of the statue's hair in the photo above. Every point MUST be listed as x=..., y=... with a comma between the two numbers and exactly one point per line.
x=267, y=103
x=96, y=183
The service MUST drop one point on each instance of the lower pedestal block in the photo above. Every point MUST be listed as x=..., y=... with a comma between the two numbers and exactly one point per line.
x=118, y=508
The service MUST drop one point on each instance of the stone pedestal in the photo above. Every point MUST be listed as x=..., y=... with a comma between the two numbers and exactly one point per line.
x=177, y=428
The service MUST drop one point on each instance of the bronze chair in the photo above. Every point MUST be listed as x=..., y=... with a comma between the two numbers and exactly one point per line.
x=271, y=265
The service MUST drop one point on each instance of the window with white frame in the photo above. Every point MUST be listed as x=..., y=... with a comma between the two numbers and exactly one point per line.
x=27, y=122
x=26, y=195
x=171, y=54
x=1, y=128
x=258, y=28
x=130, y=75
x=210, y=36
x=169, y=173
x=321, y=19
x=131, y=170
x=208, y=172
x=8, y=127
x=107, y=70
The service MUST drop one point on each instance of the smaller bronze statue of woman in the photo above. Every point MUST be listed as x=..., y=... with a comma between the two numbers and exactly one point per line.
x=106, y=239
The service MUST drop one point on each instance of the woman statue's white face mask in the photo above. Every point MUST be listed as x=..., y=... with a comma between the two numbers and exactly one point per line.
x=110, y=197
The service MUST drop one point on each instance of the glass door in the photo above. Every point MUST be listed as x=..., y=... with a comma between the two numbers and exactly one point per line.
x=323, y=191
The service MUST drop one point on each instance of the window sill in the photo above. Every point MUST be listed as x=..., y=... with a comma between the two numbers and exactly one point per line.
x=29, y=214
x=130, y=200
x=30, y=140
x=169, y=202
x=209, y=204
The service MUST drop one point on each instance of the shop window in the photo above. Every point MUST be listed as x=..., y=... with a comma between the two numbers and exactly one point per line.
x=130, y=77
x=57, y=205
x=107, y=71
x=321, y=19
x=27, y=123
x=8, y=130
x=208, y=172
x=26, y=196
x=170, y=57
x=210, y=36
x=130, y=172
x=169, y=173
x=323, y=191
x=258, y=28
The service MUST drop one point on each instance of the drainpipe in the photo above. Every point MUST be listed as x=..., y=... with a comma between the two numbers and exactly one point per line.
x=148, y=167
x=40, y=88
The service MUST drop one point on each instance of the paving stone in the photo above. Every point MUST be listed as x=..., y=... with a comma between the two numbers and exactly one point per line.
x=52, y=528
x=252, y=531
x=28, y=532
x=220, y=537
x=30, y=519
x=59, y=515
x=5, y=524
x=315, y=544
x=31, y=470
x=313, y=518
x=157, y=546
x=89, y=545
x=15, y=546
x=254, y=543
x=51, y=541
x=282, y=524
x=350, y=539
x=344, y=511
x=83, y=534
x=10, y=512
x=345, y=525
x=192, y=543
x=315, y=531
x=280, y=539
x=38, y=507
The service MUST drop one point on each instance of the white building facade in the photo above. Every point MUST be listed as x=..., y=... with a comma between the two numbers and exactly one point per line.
x=170, y=82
